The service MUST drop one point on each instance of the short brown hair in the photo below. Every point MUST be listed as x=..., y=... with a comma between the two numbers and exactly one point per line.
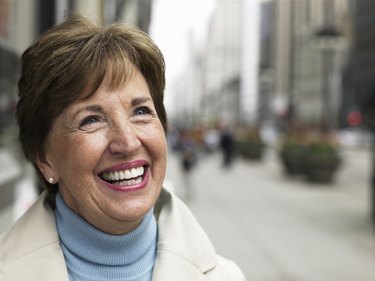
x=59, y=66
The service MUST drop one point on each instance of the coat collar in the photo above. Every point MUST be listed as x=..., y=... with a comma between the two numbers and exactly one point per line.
x=183, y=246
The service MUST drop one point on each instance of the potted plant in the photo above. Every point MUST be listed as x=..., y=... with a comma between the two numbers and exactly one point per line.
x=322, y=160
x=292, y=152
x=250, y=144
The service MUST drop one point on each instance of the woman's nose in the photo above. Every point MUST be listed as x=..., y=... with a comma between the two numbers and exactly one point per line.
x=124, y=140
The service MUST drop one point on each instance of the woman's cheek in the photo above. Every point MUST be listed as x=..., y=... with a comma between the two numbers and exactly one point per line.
x=88, y=145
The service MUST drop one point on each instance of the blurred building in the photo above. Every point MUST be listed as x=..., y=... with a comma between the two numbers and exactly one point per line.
x=359, y=83
x=135, y=12
x=219, y=82
x=188, y=89
x=267, y=106
x=300, y=68
x=14, y=37
x=360, y=75
x=311, y=42
x=223, y=63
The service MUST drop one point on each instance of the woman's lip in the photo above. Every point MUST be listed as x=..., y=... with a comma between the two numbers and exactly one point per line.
x=125, y=166
x=129, y=188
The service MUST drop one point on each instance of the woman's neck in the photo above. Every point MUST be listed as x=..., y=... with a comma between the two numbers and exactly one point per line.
x=91, y=253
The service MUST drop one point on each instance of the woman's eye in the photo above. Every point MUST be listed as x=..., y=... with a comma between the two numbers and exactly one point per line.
x=90, y=120
x=142, y=111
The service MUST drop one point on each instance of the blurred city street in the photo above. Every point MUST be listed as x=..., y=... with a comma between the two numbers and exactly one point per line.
x=277, y=228
x=284, y=229
x=292, y=76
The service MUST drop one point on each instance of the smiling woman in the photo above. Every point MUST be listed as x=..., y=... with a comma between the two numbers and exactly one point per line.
x=97, y=140
x=107, y=129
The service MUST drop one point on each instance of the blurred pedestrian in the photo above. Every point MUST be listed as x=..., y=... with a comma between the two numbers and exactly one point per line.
x=211, y=139
x=227, y=146
x=97, y=139
x=188, y=161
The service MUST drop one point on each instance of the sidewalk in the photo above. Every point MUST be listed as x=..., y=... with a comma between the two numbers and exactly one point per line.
x=283, y=229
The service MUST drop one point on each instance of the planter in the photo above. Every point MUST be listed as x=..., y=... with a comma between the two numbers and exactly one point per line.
x=321, y=166
x=249, y=149
x=292, y=158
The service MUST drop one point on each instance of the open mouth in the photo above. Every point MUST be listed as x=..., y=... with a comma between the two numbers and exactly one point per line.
x=127, y=177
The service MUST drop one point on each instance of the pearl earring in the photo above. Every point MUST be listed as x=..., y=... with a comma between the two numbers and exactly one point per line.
x=51, y=180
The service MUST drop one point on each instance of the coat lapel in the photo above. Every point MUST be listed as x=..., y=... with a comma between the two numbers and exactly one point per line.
x=184, y=250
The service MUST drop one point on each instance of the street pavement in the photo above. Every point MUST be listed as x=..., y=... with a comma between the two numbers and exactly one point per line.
x=279, y=228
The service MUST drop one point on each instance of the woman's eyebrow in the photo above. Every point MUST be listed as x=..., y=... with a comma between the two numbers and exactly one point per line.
x=139, y=101
x=90, y=108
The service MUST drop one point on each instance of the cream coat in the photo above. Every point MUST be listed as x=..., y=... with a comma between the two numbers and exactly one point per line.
x=30, y=250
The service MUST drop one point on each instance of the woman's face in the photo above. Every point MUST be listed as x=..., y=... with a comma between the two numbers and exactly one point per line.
x=108, y=154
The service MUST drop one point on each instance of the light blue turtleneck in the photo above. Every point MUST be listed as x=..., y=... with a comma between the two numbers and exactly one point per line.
x=92, y=255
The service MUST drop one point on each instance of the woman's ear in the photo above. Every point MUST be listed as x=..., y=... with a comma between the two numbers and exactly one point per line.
x=47, y=169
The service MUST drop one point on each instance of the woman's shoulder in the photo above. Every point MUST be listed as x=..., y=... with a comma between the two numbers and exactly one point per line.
x=30, y=249
x=35, y=229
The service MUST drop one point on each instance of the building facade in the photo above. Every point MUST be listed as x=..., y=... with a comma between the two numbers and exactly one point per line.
x=360, y=86
x=311, y=44
x=221, y=97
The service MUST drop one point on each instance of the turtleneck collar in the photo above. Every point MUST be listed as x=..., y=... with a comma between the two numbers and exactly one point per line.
x=94, y=255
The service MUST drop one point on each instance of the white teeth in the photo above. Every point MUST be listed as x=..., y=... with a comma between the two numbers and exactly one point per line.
x=134, y=172
x=125, y=175
x=129, y=182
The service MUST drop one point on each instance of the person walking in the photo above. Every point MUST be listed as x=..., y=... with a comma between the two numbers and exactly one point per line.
x=227, y=146
x=188, y=162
